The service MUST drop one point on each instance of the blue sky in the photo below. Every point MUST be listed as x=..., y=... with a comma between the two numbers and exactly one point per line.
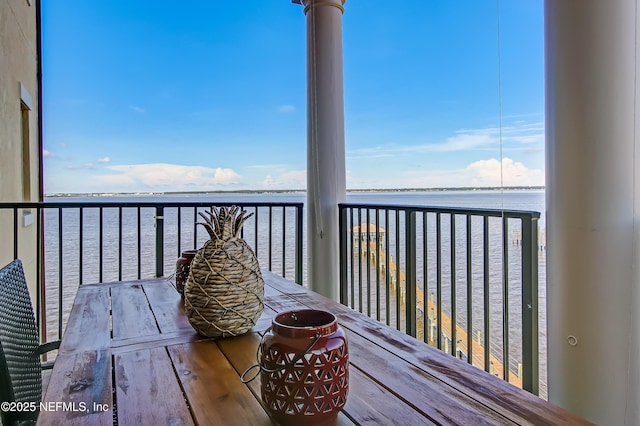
x=162, y=96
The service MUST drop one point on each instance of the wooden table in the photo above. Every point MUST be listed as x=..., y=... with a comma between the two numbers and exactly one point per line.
x=129, y=345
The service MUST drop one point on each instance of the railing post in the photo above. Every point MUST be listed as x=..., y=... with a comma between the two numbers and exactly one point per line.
x=452, y=268
x=410, y=284
x=159, y=241
x=530, y=369
x=60, y=272
x=505, y=298
x=299, y=246
x=485, y=282
x=41, y=296
x=16, y=237
x=342, y=228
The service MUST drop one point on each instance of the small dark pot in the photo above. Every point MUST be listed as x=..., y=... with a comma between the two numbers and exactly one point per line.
x=182, y=269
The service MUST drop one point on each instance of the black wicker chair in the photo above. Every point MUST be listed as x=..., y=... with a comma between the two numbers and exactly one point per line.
x=20, y=350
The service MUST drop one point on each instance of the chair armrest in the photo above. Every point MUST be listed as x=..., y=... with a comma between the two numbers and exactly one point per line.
x=47, y=365
x=48, y=347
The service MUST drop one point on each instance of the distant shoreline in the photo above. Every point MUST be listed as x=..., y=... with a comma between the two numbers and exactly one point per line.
x=292, y=191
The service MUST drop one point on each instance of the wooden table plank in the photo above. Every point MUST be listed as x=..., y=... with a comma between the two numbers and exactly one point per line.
x=131, y=313
x=165, y=373
x=281, y=302
x=433, y=398
x=167, y=306
x=155, y=341
x=489, y=391
x=147, y=391
x=213, y=387
x=279, y=283
x=264, y=322
x=81, y=378
x=89, y=325
x=241, y=353
x=369, y=403
x=516, y=404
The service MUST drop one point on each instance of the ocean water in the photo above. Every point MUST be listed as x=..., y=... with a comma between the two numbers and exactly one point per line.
x=190, y=237
x=282, y=259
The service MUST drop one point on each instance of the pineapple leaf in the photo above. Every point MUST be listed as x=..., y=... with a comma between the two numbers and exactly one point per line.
x=240, y=222
x=208, y=225
x=224, y=223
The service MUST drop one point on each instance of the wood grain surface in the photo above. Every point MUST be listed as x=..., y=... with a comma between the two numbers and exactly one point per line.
x=80, y=378
x=134, y=338
x=89, y=321
x=147, y=391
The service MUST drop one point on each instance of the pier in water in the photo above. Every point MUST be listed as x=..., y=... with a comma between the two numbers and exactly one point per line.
x=388, y=305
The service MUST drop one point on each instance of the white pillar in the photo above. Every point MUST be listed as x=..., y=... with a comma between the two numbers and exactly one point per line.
x=326, y=176
x=593, y=201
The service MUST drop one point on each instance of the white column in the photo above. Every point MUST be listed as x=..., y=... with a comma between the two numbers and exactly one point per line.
x=326, y=181
x=593, y=202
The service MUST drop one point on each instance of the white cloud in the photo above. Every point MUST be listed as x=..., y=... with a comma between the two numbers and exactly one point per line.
x=296, y=179
x=103, y=160
x=510, y=173
x=269, y=182
x=482, y=173
x=225, y=177
x=462, y=140
x=166, y=177
x=47, y=154
x=137, y=108
x=286, y=108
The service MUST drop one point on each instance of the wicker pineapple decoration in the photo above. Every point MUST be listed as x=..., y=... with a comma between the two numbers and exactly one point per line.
x=224, y=294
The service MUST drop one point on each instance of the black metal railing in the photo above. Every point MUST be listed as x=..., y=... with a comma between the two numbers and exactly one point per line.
x=452, y=277
x=92, y=242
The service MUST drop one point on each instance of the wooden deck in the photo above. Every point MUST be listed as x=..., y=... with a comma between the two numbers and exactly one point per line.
x=129, y=355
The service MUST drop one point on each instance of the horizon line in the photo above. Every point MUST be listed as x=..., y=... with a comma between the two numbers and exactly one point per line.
x=289, y=191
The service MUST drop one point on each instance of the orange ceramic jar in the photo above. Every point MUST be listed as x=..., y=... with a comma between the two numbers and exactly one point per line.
x=304, y=367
